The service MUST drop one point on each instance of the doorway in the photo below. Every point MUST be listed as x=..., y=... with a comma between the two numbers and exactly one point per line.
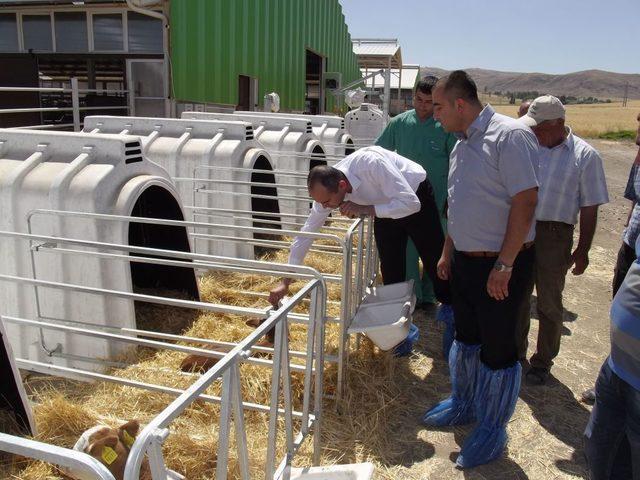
x=314, y=93
x=146, y=87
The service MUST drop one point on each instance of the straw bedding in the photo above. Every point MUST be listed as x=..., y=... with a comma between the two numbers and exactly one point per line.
x=64, y=409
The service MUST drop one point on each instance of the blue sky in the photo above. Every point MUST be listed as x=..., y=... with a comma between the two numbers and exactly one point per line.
x=549, y=36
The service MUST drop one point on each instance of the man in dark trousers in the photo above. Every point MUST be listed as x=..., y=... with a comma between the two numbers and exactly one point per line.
x=377, y=182
x=416, y=135
x=488, y=258
x=572, y=187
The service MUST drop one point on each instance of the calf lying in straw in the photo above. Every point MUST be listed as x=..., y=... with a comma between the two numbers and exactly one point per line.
x=197, y=363
x=111, y=447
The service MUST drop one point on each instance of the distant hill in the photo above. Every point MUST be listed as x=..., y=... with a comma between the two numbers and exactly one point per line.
x=589, y=83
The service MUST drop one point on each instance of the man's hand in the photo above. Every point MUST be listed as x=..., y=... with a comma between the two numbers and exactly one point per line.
x=498, y=284
x=444, y=267
x=278, y=293
x=353, y=210
x=579, y=261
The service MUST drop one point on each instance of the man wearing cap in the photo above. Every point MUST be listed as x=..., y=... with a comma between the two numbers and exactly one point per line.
x=488, y=257
x=572, y=184
x=417, y=136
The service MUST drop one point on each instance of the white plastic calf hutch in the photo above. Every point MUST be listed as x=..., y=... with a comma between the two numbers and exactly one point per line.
x=365, y=124
x=216, y=165
x=329, y=129
x=87, y=173
x=290, y=141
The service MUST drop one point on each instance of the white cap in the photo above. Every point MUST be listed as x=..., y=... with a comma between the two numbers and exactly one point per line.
x=546, y=107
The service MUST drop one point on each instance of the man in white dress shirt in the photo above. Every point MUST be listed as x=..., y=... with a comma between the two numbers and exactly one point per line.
x=395, y=190
x=572, y=184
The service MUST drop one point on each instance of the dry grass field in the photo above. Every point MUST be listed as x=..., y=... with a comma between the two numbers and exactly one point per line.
x=591, y=121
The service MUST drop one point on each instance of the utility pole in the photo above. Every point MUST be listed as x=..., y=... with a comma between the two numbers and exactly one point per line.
x=626, y=94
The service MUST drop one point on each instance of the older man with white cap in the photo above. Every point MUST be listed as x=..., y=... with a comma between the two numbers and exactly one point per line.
x=572, y=184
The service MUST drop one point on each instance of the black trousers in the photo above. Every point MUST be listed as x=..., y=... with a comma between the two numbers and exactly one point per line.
x=480, y=319
x=626, y=256
x=425, y=230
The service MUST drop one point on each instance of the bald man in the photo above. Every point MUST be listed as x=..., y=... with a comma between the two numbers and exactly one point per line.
x=524, y=108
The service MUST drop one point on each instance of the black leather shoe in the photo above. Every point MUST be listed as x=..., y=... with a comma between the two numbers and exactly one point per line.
x=537, y=376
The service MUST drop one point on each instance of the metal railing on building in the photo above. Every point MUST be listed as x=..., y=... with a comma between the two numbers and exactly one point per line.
x=75, y=107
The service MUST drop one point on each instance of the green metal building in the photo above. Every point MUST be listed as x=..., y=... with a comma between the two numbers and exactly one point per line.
x=217, y=55
x=233, y=52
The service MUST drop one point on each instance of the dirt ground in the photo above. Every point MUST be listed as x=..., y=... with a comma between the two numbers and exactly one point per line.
x=546, y=429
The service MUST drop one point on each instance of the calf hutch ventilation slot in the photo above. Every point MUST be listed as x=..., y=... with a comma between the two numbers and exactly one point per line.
x=133, y=152
x=249, y=130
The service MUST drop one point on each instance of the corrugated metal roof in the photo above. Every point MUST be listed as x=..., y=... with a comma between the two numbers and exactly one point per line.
x=375, y=47
x=377, y=52
x=408, y=78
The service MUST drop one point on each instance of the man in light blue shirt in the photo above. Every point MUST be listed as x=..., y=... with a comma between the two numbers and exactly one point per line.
x=572, y=183
x=492, y=195
x=626, y=254
x=612, y=437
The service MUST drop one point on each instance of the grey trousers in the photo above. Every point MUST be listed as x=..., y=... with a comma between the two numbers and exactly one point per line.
x=553, y=245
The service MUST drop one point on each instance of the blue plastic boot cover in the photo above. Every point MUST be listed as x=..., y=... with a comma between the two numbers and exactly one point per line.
x=406, y=346
x=445, y=315
x=458, y=408
x=495, y=401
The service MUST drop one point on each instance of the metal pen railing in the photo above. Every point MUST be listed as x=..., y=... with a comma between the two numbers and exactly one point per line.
x=75, y=107
x=227, y=369
x=358, y=262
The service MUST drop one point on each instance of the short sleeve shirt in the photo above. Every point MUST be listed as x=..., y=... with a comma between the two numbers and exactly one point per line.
x=632, y=192
x=495, y=161
x=571, y=177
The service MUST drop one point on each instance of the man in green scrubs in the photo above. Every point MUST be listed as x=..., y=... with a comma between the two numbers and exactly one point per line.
x=414, y=134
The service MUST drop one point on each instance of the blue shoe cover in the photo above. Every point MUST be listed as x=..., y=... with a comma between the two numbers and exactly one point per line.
x=445, y=315
x=457, y=409
x=495, y=401
x=405, y=347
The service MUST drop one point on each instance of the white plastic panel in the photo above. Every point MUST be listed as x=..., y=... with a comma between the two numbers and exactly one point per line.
x=183, y=147
x=289, y=140
x=365, y=124
x=330, y=130
x=69, y=171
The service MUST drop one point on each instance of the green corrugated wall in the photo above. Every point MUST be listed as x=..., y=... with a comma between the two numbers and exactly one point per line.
x=214, y=41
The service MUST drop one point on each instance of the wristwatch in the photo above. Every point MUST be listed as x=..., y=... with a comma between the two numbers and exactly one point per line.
x=502, y=267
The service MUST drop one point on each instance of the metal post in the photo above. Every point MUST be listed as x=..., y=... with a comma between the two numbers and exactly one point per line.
x=318, y=309
x=387, y=91
x=75, y=103
x=399, y=88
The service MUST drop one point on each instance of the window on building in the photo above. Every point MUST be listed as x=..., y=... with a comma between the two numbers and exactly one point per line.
x=108, y=32
x=145, y=33
x=71, y=32
x=8, y=32
x=36, y=30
